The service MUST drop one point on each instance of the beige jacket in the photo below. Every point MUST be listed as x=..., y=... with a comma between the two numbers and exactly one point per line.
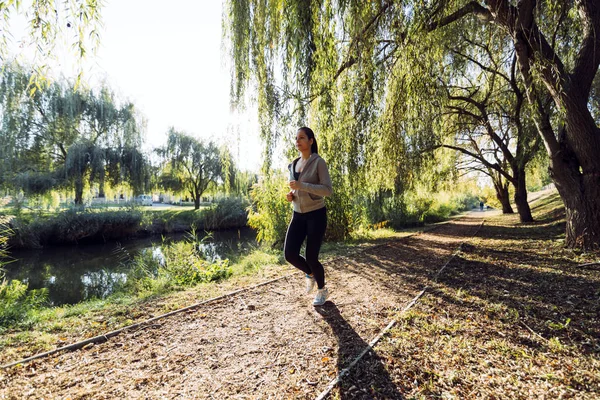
x=315, y=184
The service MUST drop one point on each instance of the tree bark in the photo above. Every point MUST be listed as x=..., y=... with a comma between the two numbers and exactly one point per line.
x=196, y=194
x=78, y=192
x=581, y=196
x=578, y=181
x=574, y=161
x=504, y=198
x=521, y=195
x=101, y=192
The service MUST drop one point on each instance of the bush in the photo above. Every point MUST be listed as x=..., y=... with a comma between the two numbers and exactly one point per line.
x=416, y=208
x=229, y=212
x=184, y=264
x=47, y=201
x=270, y=212
x=177, y=264
x=16, y=302
x=73, y=226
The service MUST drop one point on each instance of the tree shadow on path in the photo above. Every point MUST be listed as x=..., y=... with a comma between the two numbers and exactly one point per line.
x=367, y=379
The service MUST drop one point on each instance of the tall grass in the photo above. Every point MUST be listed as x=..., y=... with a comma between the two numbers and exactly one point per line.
x=176, y=265
x=16, y=302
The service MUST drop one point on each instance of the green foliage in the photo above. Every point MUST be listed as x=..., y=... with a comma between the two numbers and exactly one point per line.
x=67, y=135
x=72, y=226
x=184, y=264
x=178, y=264
x=243, y=182
x=76, y=24
x=537, y=173
x=16, y=302
x=488, y=196
x=228, y=212
x=342, y=215
x=190, y=165
x=414, y=208
x=270, y=212
x=48, y=201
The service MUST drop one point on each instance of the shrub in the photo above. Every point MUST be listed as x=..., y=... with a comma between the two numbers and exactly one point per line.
x=16, y=302
x=416, y=208
x=184, y=264
x=72, y=226
x=229, y=212
x=270, y=212
x=176, y=264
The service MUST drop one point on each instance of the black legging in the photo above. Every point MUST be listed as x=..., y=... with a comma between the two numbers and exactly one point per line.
x=310, y=225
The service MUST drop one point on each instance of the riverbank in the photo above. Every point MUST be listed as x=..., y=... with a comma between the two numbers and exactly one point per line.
x=99, y=225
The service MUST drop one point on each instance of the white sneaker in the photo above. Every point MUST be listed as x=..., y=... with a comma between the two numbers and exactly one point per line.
x=321, y=297
x=310, y=283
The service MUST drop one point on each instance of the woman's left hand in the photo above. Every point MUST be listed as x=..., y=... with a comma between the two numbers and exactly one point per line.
x=294, y=185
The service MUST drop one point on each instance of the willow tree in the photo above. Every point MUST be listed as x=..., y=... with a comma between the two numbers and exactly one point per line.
x=190, y=165
x=294, y=54
x=75, y=23
x=87, y=163
x=36, y=128
x=378, y=60
x=63, y=133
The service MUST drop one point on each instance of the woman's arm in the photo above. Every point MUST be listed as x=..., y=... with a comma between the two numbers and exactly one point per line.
x=324, y=187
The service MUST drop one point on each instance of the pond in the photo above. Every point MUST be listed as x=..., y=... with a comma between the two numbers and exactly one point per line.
x=76, y=273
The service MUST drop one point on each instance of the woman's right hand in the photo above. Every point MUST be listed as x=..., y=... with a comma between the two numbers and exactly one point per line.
x=289, y=196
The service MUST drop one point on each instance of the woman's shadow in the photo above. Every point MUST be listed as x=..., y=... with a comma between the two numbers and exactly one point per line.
x=368, y=378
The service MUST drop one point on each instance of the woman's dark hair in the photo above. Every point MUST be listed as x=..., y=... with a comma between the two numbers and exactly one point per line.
x=310, y=135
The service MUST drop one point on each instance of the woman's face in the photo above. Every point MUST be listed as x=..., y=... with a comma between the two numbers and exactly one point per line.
x=303, y=143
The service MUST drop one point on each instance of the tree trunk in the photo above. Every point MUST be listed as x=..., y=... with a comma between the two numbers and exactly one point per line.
x=574, y=161
x=583, y=218
x=580, y=187
x=581, y=196
x=195, y=194
x=78, y=192
x=101, y=186
x=504, y=198
x=521, y=195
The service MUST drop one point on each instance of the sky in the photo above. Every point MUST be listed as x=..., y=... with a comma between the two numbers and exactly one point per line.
x=166, y=58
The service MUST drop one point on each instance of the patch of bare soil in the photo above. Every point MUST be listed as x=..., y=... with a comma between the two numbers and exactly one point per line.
x=269, y=342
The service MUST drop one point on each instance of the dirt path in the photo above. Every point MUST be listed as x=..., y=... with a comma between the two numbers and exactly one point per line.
x=269, y=342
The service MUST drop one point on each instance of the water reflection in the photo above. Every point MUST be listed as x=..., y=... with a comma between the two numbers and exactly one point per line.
x=77, y=273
